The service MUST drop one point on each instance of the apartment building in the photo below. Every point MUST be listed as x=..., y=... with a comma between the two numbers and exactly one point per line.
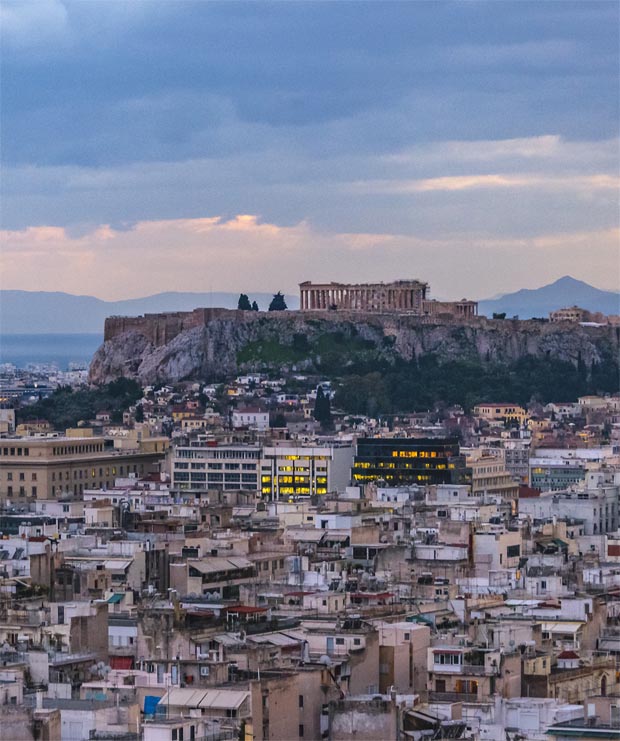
x=207, y=465
x=501, y=412
x=296, y=470
x=490, y=476
x=278, y=472
x=48, y=467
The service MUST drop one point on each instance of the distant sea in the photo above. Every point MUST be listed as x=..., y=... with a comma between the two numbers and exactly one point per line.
x=57, y=349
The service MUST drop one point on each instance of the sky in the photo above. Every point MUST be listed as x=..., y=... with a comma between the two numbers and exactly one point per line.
x=158, y=146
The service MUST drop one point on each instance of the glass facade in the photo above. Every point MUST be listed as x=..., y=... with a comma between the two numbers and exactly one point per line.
x=409, y=461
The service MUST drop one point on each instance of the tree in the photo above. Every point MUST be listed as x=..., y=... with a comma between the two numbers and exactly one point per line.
x=500, y=315
x=254, y=306
x=139, y=413
x=322, y=408
x=278, y=303
x=244, y=303
x=277, y=420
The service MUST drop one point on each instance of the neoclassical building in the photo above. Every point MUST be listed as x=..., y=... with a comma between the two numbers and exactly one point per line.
x=401, y=296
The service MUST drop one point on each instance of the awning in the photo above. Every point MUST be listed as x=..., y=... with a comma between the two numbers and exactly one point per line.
x=115, y=599
x=121, y=662
x=561, y=627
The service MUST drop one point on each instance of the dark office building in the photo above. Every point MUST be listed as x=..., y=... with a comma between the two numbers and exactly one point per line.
x=409, y=460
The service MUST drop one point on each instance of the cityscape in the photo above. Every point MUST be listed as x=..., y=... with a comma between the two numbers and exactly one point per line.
x=310, y=371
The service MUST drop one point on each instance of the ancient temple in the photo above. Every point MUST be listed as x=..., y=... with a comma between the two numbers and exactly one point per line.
x=401, y=296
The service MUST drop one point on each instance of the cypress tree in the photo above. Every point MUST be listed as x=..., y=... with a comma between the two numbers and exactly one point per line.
x=244, y=303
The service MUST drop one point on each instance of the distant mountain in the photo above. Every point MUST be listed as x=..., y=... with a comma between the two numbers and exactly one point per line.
x=538, y=302
x=42, y=312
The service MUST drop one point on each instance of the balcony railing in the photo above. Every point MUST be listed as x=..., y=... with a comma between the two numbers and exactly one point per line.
x=452, y=697
x=473, y=669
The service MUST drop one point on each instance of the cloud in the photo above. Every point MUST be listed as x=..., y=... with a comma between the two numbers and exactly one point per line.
x=244, y=253
x=26, y=24
x=400, y=140
x=469, y=182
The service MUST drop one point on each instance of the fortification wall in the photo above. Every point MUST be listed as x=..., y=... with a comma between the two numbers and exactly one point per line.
x=160, y=329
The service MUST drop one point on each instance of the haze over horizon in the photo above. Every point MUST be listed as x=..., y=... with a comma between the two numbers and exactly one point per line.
x=152, y=147
x=294, y=293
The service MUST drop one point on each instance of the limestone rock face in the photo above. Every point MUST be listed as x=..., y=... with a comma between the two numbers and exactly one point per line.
x=156, y=349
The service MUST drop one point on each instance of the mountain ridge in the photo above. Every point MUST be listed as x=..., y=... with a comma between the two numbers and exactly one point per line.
x=40, y=312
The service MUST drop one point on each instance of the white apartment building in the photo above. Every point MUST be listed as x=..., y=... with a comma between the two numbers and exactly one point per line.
x=254, y=418
x=276, y=472
x=207, y=465
x=289, y=471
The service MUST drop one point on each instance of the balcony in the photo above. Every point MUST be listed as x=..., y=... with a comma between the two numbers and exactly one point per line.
x=452, y=697
x=477, y=670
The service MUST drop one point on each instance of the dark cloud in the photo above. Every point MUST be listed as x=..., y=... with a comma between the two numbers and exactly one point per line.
x=118, y=112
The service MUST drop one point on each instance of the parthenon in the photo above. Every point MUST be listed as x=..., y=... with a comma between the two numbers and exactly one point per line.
x=405, y=295
x=401, y=296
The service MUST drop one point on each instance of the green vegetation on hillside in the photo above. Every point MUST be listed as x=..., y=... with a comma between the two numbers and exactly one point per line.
x=418, y=385
x=66, y=407
x=330, y=351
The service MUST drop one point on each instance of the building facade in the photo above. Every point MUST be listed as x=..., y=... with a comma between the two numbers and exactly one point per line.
x=277, y=472
x=409, y=461
x=50, y=467
x=291, y=471
x=203, y=466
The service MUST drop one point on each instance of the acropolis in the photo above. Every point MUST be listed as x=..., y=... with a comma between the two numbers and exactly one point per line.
x=401, y=296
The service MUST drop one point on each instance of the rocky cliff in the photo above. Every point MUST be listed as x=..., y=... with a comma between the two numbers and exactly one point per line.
x=214, y=344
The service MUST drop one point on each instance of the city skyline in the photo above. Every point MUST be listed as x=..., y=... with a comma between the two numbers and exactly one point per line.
x=203, y=146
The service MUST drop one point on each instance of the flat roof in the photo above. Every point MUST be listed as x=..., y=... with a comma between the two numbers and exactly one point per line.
x=217, y=699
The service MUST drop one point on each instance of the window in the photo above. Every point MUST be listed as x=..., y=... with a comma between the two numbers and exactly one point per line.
x=301, y=701
x=407, y=636
x=174, y=734
x=301, y=730
x=22, y=477
x=340, y=641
